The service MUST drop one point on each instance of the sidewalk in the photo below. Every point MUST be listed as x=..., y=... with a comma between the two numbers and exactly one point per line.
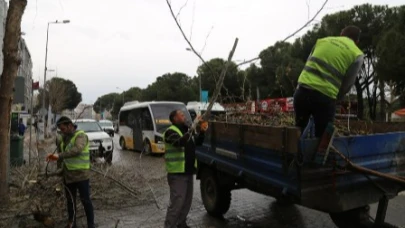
x=43, y=147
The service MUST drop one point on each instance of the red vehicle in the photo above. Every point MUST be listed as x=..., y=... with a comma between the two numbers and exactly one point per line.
x=274, y=105
x=245, y=108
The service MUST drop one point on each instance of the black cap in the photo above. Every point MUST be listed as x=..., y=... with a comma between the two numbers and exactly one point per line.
x=64, y=120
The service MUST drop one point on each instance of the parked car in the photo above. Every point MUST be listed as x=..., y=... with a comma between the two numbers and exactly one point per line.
x=107, y=126
x=101, y=144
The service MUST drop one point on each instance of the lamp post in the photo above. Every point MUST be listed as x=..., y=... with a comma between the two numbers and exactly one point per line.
x=46, y=58
x=199, y=77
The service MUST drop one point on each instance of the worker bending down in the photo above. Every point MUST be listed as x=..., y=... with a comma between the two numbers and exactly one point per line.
x=329, y=73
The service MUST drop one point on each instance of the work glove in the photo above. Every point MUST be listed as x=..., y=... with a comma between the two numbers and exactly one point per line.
x=52, y=157
x=203, y=124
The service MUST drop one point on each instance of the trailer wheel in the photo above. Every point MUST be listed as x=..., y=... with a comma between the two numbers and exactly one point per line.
x=216, y=198
x=355, y=218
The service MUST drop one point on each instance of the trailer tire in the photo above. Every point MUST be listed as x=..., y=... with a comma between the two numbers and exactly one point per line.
x=216, y=198
x=355, y=218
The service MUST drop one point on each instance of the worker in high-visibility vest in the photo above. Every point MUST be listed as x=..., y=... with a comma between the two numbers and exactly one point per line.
x=181, y=165
x=75, y=158
x=329, y=73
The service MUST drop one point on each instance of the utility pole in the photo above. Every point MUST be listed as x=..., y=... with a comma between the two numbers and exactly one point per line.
x=46, y=58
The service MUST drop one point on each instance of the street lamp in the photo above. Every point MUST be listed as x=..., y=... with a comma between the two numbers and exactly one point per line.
x=46, y=58
x=123, y=95
x=199, y=76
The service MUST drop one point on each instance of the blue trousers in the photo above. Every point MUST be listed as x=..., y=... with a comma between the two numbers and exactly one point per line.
x=83, y=187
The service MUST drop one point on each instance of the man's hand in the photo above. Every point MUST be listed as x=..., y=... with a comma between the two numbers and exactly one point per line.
x=204, y=126
x=52, y=157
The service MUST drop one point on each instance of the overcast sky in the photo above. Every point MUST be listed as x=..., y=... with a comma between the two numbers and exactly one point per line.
x=126, y=43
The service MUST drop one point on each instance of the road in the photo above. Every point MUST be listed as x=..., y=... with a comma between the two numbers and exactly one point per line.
x=248, y=209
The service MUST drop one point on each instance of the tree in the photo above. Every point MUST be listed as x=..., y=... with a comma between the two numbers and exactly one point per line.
x=171, y=87
x=132, y=94
x=281, y=68
x=390, y=50
x=74, y=96
x=70, y=95
x=106, y=102
x=373, y=21
x=11, y=62
x=257, y=82
x=57, y=94
x=209, y=75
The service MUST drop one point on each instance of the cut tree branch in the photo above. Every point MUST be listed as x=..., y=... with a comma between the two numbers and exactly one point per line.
x=292, y=34
x=221, y=78
x=133, y=192
x=220, y=81
x=185, y=37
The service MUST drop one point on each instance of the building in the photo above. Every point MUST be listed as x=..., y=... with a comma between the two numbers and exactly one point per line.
x=23, y=81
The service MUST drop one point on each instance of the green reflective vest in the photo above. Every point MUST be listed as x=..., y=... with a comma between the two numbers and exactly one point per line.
x=175, y=156
x=326, y=67
x=80, y=162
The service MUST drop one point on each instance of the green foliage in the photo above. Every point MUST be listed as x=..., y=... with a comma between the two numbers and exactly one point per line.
x=231, y=89
x=66, y=91
x=281, y=68
x=391, y=52
x=171, y=87
x=74, y=96
x=106, y=102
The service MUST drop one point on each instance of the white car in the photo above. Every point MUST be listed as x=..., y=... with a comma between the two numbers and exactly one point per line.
x=96, y=137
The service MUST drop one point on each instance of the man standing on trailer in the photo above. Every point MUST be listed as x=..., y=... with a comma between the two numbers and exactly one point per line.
x=329, y=73
x=181, y=166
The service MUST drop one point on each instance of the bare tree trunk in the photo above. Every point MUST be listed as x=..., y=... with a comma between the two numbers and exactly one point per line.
x=11, y=62
x=382, y=100
x=360, y=101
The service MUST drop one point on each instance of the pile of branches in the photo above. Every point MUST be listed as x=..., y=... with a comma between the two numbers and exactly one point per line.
x=276, y=120
x=281, y=119
x=39, y=201
x=32, y=198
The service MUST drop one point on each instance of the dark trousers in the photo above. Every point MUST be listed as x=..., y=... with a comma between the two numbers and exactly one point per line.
x=83, y=187
x=181, y=197
x=309, y=102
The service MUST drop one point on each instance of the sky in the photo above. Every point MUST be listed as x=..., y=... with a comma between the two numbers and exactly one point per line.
x=111, y=46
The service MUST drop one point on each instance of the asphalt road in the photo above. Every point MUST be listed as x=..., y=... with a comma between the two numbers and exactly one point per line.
x=248, y=209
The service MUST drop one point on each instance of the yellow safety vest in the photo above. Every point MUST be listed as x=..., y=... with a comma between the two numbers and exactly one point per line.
x=80, y=162
x=175, y=156
x=327, y=66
